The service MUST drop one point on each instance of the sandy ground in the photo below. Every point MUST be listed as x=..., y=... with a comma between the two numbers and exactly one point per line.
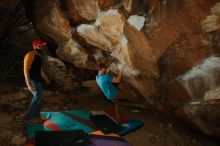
x=158, y=130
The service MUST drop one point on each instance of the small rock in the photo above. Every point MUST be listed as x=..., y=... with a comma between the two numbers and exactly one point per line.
x=150, y=134
x=135, y=111
x=195, y=102
x=23, y=102
x=170, y=125
x=161, y=126
x=20, y=116
x=194, y=141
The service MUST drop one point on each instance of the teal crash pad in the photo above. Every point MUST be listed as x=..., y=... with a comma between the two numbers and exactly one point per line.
x=66, y=120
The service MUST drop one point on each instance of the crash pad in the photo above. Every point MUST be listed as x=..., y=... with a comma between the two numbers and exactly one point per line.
x=66, y=120
x=126, y=126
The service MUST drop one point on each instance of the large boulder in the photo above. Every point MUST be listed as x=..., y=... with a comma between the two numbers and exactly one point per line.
x=206, y=113
x=196, y=82
x=85, y=11
x=73, y=52
x=168, y=21
x=106, y=24
x=161, y=44
x=202, y=78
x=104, y=34
x=49, y=20
x=91, y=35
x=199, y=103
x=127, y=45
x=82, y=11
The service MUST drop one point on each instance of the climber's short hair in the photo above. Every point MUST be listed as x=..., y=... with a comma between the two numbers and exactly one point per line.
x=101, y=66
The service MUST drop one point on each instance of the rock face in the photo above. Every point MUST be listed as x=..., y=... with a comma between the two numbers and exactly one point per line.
x=211, y=23
x=202, y=78
x=51, y=21
x=58, y=72
x=169, y=48
x=205, y=113
x=85, y=11
x=70, y=48
x=82, y=11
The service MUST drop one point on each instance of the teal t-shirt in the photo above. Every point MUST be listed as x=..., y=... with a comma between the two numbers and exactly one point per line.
x=105, y=83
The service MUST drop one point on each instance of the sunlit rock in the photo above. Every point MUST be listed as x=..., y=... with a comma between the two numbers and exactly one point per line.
x=73, y=52
x=81, y=11
x=202, y=78
x=106, y=24
x=205, y=115
x=202, y=84
x=212, y=22
x=212, y=95
x=136, y=21
x=94, y=37
x=215, y=10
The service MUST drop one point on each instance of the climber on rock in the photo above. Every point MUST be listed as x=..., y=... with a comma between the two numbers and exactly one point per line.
x=33, y=72
x=108, y=85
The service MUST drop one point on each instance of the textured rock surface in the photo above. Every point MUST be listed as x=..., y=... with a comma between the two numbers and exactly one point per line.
x=205, y=116
x=106, y=24
x=59, y=74
x=202, y=78
x=92, y=36
x=211, y=23
x=213, y=94
x=158, y=41
x=204, y=113
x=136, y=21
x=70, y=48
x=50, y=20
x=82, y=11
x=85, y=11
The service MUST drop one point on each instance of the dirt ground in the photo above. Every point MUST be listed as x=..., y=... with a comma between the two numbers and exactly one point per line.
x=158, y=130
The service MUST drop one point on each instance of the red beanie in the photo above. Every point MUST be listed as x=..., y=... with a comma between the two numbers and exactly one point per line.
x=38, y=43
